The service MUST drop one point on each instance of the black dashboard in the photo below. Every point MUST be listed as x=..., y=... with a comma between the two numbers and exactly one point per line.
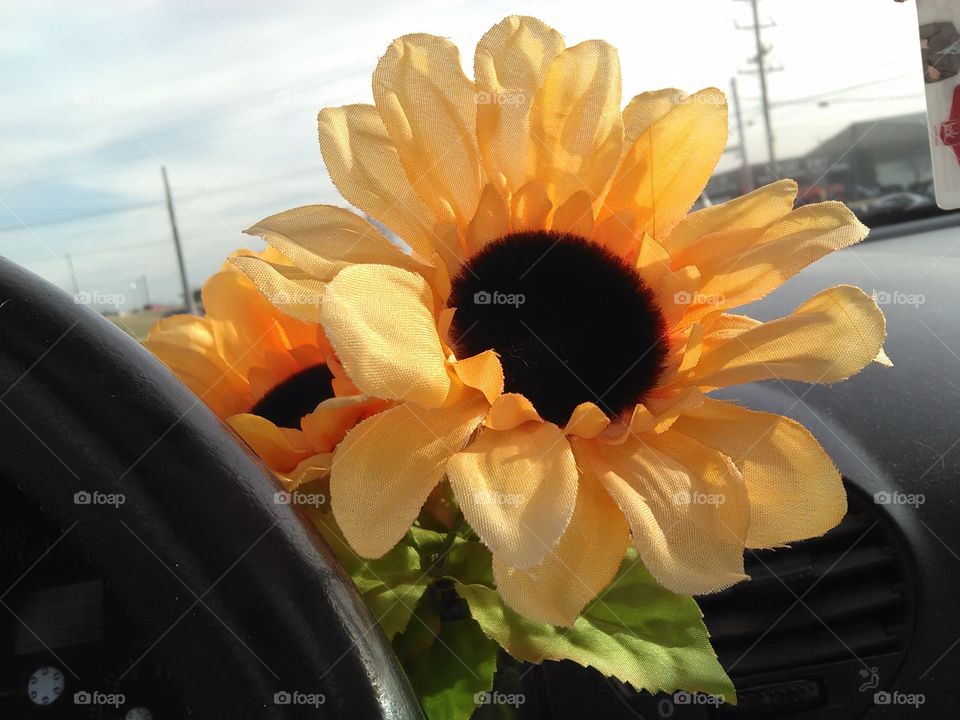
x=859, y=623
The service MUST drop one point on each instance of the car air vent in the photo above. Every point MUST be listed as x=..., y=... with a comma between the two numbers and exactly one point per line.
x=823, y=624
x=823, y=657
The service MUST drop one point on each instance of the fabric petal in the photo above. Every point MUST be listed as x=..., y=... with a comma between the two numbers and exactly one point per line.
x=575, y=216
x=746, y=213
x=491, y=221
x=586, y=421
x=530, y=207
x=576, y=122
x=315, y=467
x=380, y=322
x=186, y=345
x=616, y=233
x=291, y=290
x=577, y=569
x=385, y=468
x=510, y=64
x=364, y=166
x=483, y=372
x=668, y=166
x=685, y=503
x=517, y=489
x=794, y=489
x=737, y=272
x=510, y=410
x=282, y=449
x=428, y=106
x=323, y=240
x=830, y=337
x=329, y=422
x=645, y=109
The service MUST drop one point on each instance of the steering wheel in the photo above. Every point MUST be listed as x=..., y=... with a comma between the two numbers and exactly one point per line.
x=270, y=617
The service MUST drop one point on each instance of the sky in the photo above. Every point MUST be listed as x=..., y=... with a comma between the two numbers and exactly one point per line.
x=97, y=96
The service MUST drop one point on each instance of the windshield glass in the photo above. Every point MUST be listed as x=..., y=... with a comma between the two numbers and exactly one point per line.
x=225, y=96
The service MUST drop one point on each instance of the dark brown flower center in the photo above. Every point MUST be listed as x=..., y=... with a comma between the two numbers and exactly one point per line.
x=570, y=321
x=295, y=397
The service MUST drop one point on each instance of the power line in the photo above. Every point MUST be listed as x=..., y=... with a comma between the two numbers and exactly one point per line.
x=835, y=91
x=119, y=210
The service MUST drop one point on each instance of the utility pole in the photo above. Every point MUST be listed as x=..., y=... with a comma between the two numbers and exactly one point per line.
x=73, y=274
x=762, y=70
x=187, y=295
x=746, y=172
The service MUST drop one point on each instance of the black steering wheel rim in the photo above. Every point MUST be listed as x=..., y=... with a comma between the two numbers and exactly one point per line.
x=84, y=408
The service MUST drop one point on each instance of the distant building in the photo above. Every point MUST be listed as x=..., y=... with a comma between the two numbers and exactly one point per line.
x=867, y=158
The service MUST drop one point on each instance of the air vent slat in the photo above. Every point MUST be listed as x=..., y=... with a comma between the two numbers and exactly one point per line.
x=857, y=607
x=876, y=600
x=808, y=649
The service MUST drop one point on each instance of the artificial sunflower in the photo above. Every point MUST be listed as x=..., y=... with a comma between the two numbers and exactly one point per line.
x=547, y=338
x=272, y=377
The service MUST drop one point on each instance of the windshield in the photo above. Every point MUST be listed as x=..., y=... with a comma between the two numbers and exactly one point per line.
x=225, y=95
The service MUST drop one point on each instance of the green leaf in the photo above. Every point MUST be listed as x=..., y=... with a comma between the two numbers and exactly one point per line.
x=459, y=664
x=635, y=630
x=468, y=563
x=420, y=632
x=391, y=585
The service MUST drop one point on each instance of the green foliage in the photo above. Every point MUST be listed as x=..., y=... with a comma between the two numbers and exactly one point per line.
x=635, y=630
x=458, y=664
x=391, y=585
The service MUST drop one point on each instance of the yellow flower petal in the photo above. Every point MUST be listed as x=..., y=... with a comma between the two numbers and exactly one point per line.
x=795, y=492
x=653, y=261
x=186, y=345
x=733, y=275
x=315, y=467
x=668, y=166
x=385, y=468
x=491, y=221
x=510, y=64
x=510, y=410
x=530, y=207
x=586, y=421
x=830, y=337
x=676, y=292
x=291, y=290
x=883, y=359
x=640, y=113
x=575, y=216
x=722, y=327
x=380, y=322
x=694, y=348
x=744, y=214
x=483, y=372
x=323, y=240
x=576, y=124
x=616, y=233
x=517, y=489
x=282, y=449
x=653, y=416
x=329, y=422
x=685, y=504
x=427, y=105
x=577, y=569
x=365, y=167
x=645, y=109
